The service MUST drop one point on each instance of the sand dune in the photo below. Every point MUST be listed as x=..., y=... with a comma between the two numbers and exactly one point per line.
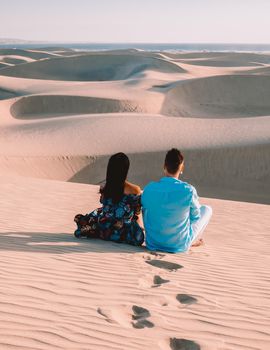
x=53, y=49
x=83, y=131
x=3, y=65
x=194, y=55
x=44, y=106
x=36, y=55
x=229, y=170
x=91, y=68
x=220, y=59
x=14, y=60
x=244, y=57
x=220, y=63
x=225, y=59
x=230, y=96
x=259, y=71
x=62, y=168
x=6, y=94
x=60, y=119
x=233, y=162
x=62, y=293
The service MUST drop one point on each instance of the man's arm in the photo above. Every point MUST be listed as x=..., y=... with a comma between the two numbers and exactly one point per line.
x=195, y=206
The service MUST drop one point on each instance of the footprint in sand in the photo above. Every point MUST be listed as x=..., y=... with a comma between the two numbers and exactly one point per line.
x=107, y=314
x=140, y=317
x=115, y=315
x=150, y=255
x=158, y=281
x=166, y=265
x=159, y=255
x=183, y=344
x=186, y=299
x=122, y=317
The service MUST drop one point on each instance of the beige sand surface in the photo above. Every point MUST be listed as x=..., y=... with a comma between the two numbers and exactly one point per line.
x=61, y=293
x=62, y=113
x=141, y=103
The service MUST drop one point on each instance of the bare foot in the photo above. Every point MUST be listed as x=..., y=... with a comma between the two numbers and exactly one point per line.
x=198, y=243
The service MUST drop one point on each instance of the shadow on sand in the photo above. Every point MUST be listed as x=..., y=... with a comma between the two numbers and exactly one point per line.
x=60, y=243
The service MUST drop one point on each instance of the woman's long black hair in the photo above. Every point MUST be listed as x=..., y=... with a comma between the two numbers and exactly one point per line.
x=117, y=171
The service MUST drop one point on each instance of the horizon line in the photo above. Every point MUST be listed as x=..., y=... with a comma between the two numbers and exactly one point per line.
x=137, y=42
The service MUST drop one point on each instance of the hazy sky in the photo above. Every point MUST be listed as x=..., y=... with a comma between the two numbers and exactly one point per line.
x=172, y=21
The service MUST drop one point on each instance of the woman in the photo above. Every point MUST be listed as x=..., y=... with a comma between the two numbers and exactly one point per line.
x=117, y=219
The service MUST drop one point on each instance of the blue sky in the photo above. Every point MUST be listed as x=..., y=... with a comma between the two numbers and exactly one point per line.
x=166, y=21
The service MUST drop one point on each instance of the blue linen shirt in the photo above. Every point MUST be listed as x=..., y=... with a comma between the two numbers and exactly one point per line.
x=169, y=207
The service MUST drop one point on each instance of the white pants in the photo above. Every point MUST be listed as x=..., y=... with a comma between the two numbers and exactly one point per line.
x=199, y=226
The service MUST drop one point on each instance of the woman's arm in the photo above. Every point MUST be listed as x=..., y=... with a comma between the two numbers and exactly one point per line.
x=101, y=190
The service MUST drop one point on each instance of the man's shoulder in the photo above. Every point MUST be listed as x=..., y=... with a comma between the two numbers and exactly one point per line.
x=187, y=186
x=149, y=186
x=182, y=188
x=175, y=186
x=179, y=185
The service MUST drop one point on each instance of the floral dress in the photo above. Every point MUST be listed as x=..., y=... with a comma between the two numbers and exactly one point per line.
x=113, y=222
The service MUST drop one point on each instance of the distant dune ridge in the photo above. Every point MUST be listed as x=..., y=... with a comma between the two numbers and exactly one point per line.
x=54, y=105
x=91, y=67
x=143, y=103
x=5, y=94
x=62, y=114
x=229, y=59
x=229, y=96
x=34, y=54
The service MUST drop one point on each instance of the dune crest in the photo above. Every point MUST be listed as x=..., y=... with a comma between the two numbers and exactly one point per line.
x=35, y=55
x=227, y=96
x=66, y=129
x=6, y=94
x=39, y=106
x=98, y=67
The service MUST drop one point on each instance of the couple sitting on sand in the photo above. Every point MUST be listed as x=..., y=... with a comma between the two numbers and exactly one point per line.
x=173, y=218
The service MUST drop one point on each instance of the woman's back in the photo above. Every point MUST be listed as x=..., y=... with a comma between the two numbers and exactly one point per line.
x=124, y=211
x=117, y=219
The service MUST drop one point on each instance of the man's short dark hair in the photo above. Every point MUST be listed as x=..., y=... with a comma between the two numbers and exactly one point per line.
x=173, y=160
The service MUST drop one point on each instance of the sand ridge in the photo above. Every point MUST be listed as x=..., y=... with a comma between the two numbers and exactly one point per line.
x=91, y=67
x=6, y=94
x=157, y=103
x=39, y=106
x=226, y=96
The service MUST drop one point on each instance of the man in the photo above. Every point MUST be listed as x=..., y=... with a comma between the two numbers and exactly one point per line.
x=173, y=217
